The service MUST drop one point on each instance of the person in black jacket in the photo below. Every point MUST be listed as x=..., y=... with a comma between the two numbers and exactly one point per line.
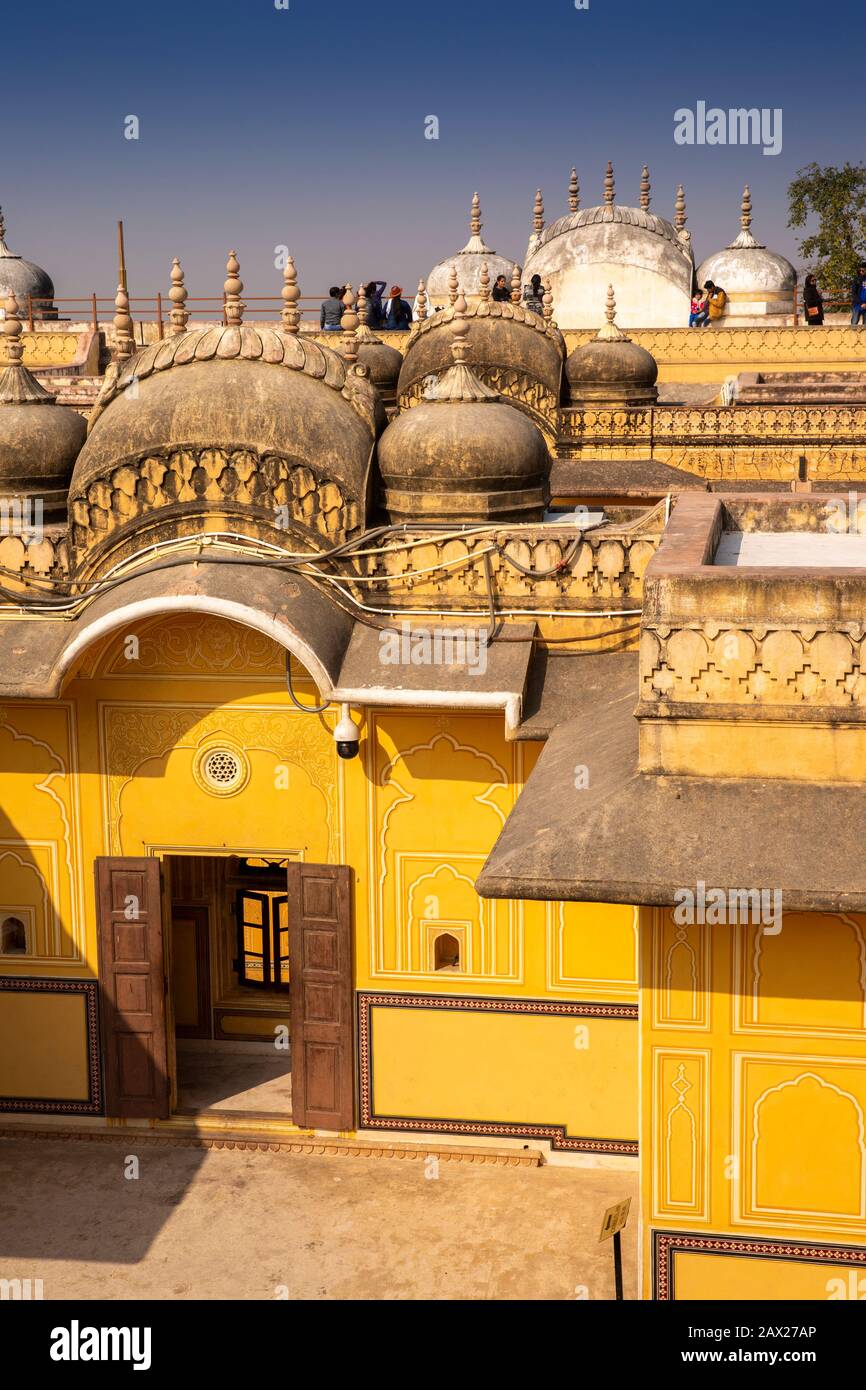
x=813, y=303
x=858, y=297
x=501, y=292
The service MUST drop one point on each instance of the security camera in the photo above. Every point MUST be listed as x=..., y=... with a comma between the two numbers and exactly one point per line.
x=346, y=734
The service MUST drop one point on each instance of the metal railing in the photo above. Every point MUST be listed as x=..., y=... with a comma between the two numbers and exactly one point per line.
x=99, y=310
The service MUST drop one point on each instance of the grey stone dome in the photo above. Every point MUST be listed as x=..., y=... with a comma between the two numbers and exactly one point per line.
x=611, y=370
x=26, y=281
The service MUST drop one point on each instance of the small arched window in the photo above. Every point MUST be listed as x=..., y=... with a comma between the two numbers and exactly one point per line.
x=446, y=952
x=13, y=937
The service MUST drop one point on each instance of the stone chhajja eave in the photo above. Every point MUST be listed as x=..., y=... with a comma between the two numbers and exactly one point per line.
x=638, y=838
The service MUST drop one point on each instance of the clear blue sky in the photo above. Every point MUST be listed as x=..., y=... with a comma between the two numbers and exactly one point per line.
x=305, y=126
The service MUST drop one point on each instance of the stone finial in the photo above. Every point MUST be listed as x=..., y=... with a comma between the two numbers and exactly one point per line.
x=349, y=323
x=124, y=341
x=547, y=304
x=746, y=239
x=485, y=282
x=680, y=218
x=538, y=213
x=422, y=302
x=475, y=216
x=290, y=295
x=12, y=330
x=645, y=188
x=515, y=284
x=459, y=382
x=179, y=316
x=233, y=286
x=609, y=186
x=610, y=332
x=573, y=192
x=452, y=286
x=746, y=210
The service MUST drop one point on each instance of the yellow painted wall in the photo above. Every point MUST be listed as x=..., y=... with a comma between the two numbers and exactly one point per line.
x=753, y=1086
x=115, y=768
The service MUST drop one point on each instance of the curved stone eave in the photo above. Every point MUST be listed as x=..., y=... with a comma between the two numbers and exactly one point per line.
x=38, y=655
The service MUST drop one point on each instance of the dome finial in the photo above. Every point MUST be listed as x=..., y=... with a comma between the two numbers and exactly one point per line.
x=547, y=304
x=233, y=286
x=609, y=186
x=485, y=282
x=645, y=188
x=179, y=316
x=348, y=323
x=610, y=332
x=680, y=218
x=452, y=286
x=290, y=295
x=422, y=302
x=459, y=382
x=475, y=216
x=12, y=330
x=573, y=192
x=124, y=341
x=538, y=213
x=746, y=210
x=515, y=284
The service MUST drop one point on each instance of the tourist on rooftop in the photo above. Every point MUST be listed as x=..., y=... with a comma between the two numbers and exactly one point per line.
x=501, y=292
x=332, y=309
x=533, y=295
x=699, y=311
x=858, y=297
x=375, y=290
x=813, y=303
x=716, y=300
x=398, y=311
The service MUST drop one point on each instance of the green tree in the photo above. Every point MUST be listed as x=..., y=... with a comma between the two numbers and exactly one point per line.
x=835, y=201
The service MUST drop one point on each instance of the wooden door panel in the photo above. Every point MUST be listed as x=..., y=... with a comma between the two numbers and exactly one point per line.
x=132, y=988
x=190, y=971
x=322, y=996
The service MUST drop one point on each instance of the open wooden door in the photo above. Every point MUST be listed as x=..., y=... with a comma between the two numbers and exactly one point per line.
x=322, y=996
x=132, y=988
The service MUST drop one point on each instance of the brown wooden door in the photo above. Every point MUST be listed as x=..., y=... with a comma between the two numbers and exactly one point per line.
x=132, y=988
x=321, y=996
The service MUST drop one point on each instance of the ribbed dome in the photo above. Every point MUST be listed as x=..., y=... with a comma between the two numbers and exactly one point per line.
x=232, y=419
x=468, y=264
x=26, y=281
x=759, y=283
x=648, y=258
x=514, y=351
x=611, y=370
x=39, y=440
x=464, y=454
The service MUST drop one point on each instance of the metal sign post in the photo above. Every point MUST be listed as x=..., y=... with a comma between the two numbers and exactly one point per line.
x=613, y=1223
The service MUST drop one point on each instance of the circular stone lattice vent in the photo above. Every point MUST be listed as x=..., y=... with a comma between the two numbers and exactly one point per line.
x=222, y=770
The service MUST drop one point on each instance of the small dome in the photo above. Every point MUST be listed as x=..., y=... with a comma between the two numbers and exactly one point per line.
x=382, y=361
x=759, y=283
x=28, y=282
x=39, y=440
x=464, y=454
x=611, y=369
x=468, y=265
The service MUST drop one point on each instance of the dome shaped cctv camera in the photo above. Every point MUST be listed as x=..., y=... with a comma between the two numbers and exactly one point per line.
x=346, y=735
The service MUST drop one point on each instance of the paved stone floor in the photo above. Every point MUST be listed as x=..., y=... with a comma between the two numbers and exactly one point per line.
x=256, y=1084
x=228, y=1224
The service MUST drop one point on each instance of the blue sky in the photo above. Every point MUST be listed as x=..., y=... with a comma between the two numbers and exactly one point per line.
x=305, y=126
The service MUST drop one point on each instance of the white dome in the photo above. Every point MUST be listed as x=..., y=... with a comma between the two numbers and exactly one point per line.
x=759, y=283
x=468, y=263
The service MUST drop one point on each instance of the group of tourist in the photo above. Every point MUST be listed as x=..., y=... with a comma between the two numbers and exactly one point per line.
x=813, y=300
x=393, y=312
x=708, y=304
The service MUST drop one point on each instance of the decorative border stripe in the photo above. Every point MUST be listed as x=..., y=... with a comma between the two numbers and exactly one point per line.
x=89, y=989
x=666, y=1244
x=559, y=1139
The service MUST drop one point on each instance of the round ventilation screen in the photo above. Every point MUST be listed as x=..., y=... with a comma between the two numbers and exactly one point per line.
x=222, y=770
